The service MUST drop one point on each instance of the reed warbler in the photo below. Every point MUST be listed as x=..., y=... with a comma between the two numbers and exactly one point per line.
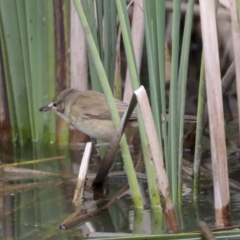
x=88, y=112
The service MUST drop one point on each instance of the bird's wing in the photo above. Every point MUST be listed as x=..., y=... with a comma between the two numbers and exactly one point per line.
x=95, y=106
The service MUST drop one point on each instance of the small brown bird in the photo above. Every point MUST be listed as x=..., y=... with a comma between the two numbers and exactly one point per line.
x=88, y=112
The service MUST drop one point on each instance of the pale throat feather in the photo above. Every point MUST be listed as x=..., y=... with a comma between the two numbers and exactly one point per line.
x=63, y=116
x=65, y=113
x=67, y=109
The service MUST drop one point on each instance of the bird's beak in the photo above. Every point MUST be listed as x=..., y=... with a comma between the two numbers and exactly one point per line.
x=46, y=108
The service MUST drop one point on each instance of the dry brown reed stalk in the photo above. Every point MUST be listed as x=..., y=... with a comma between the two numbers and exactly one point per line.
x=205, y=230
x=73, y=219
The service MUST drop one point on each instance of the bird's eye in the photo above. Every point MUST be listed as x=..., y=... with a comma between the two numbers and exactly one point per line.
x=54, y=104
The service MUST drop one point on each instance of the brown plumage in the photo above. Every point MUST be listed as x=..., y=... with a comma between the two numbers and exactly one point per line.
x=88, y=112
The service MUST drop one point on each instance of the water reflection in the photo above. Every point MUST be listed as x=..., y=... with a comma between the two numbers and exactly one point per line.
x=40, y=203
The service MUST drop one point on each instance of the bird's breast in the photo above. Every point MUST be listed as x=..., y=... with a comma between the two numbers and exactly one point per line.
x=101, y=129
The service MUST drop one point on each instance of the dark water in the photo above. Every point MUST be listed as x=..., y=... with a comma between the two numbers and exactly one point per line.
x=36, y=211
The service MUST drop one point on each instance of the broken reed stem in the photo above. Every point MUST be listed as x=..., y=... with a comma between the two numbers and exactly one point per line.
x=157, y=156
x=78, y=194
x=112, y=149
x=137, y=32
x=27, y=172
x=151, y=174
x=73, y=219
x=32, y=162
x=80, y=215
x=205, y=230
